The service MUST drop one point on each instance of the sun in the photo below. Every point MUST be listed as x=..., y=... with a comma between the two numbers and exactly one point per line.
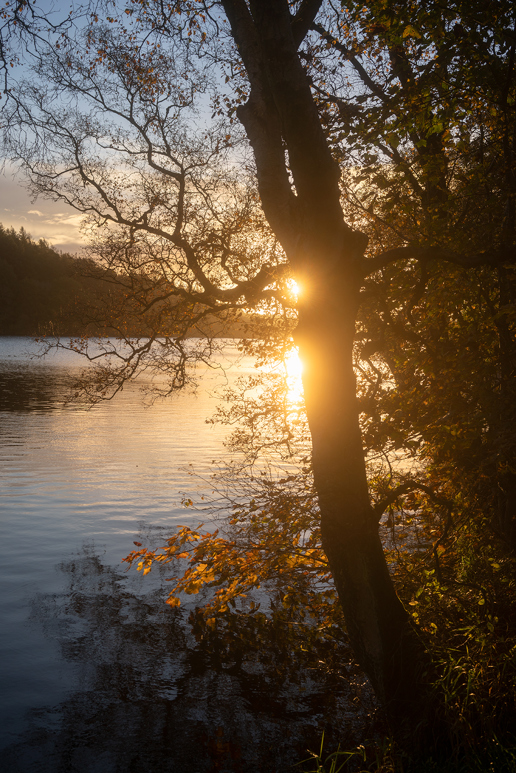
x=294, y=288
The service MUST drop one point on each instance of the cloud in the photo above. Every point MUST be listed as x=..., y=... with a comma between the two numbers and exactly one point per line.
x=61, y=218
x=51, y=221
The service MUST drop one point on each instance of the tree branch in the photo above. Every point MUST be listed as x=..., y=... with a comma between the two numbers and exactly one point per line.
x=366, y=79
x=304, y=19
x=426, y=254
x=411, y=485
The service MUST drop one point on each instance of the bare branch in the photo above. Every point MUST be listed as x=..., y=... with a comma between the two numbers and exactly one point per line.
x=404, y=488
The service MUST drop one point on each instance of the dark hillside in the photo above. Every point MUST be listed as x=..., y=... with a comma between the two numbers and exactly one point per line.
x=41, y=290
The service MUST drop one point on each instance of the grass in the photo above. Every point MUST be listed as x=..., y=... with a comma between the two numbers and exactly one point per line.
x=387, y=757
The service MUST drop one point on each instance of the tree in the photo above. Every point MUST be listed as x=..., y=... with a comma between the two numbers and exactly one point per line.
x=382, y=143
x=26, y=25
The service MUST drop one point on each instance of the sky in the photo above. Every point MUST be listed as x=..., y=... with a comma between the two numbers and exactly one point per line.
x=55, y=222
x=42, y=219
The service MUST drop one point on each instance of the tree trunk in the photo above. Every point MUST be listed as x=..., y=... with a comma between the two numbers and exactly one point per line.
x=379, y=627
x=302, y=204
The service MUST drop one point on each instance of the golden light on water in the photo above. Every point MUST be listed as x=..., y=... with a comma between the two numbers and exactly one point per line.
x=294, y=369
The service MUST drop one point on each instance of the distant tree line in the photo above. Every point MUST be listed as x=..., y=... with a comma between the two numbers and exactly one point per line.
x=41, y=290
x=46, y=292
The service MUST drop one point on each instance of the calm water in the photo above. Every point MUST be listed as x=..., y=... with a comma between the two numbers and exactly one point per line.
x=97, y=674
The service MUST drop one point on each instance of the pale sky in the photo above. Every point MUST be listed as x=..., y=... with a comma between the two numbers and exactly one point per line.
x=42, y=219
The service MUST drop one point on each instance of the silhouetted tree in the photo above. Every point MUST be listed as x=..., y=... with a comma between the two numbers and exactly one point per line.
x=382, y=153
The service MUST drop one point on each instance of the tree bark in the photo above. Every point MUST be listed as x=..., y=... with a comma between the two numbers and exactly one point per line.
x=380, y=630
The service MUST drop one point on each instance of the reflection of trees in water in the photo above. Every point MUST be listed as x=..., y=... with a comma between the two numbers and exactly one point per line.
x=149, y=700
x=25, y=388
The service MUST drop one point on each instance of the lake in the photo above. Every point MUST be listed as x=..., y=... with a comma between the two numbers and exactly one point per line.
x=97, y=673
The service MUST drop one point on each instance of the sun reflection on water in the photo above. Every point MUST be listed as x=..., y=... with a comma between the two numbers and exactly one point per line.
x=294, y=369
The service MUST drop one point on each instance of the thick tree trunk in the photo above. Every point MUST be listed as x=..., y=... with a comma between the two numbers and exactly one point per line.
x=326, y=257
x=381, y=634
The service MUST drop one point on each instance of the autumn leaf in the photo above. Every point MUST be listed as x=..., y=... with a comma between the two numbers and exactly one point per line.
x=410, y=32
